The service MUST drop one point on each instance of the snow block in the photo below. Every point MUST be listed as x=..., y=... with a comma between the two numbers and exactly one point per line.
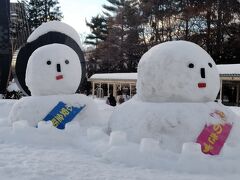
x=72, y=127
x=43, y=125
x=95, y=133
x=20, y=126
x=118, y=138
x=191, y=148
x=149, y=145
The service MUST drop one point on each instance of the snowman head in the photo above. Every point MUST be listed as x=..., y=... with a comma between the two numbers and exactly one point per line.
x=177, y=71
x=49, y=33
x=53, y=69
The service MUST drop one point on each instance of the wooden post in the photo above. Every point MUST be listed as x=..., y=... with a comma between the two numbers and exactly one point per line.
x=108, y=89
x=93, y=89
x=221, y=86
x=114, y=90
x=237, y=100
x=130, y=89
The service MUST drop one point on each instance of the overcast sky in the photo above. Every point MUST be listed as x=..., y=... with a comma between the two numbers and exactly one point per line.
x=76, y=11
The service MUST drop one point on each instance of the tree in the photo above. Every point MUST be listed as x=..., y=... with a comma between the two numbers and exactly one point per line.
x=219, y=30
x=134, y=26
x=98, y=27
x=124, y=44
x=120, y=49
x=209, y=23
x=40, y=11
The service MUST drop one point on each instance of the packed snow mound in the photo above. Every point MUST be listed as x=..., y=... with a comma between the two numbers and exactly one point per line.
x=5, y=106
x=177, y=71
x=12, y=87
x=55, y=26
x=171, y=124
x=53, y=75
x=176, y=86
x=33, y=109
x=53, y=69
x=109, y=155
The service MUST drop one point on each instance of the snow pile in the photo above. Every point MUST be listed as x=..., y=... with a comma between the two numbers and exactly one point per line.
x=177, y=71
x=171, y=124
x=117, y=149
x=12, y=87
x=33, y=153
x=53, y=69
x=34, y=109
x=177, y=84
x=53, y=75
x=5, y=106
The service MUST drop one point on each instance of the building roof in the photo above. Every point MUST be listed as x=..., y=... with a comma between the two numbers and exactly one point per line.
x=232, y=70
x=229, y=69
x=114, y=76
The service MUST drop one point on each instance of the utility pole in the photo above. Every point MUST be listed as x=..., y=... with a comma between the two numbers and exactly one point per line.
x=5, y=52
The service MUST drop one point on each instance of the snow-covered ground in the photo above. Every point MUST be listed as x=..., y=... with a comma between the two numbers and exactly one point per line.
x=48, y=153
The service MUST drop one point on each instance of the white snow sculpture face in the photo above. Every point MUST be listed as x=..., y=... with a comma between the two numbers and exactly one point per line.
x=177, y=71
x=53, y=69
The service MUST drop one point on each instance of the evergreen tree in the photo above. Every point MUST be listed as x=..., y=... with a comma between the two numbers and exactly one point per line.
x=136, y=25
x=98, y=27
x=123, y=42
x=34, y=10
x=40, y=11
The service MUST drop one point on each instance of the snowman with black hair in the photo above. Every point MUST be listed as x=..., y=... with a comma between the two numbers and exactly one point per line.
x=50, y=67
x=177, y=86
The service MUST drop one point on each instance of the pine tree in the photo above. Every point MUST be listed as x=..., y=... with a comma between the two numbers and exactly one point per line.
x=40, y=11
x=98, y=27
x=34, y=9
x=120, y=49
x=124, y=41
x=136, y=25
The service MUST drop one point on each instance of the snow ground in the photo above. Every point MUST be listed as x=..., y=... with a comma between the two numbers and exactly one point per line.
x=48, y=153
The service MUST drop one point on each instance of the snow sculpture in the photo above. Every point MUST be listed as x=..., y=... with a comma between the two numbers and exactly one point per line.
x=176, y=88
x=54, y=70
x=169, y=73
x=53, y=32
x=47, y=65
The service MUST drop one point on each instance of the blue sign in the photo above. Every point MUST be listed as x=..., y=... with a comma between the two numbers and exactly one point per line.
x=61, y=114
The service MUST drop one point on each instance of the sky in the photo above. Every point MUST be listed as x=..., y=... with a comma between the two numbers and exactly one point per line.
x=76, y=11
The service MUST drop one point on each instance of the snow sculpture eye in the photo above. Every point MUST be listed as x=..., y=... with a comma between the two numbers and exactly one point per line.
x=210, y=65
x=191, y=65
x=49, y=62
x=66, y=61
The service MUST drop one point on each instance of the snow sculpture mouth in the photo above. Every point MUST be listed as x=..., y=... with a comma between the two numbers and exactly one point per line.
x=59, y=77
x=202, y=85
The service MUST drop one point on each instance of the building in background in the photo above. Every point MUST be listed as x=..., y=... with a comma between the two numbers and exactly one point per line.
x=19, y=28
x=104, y=84
x=230, y=84
x=14, y=31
